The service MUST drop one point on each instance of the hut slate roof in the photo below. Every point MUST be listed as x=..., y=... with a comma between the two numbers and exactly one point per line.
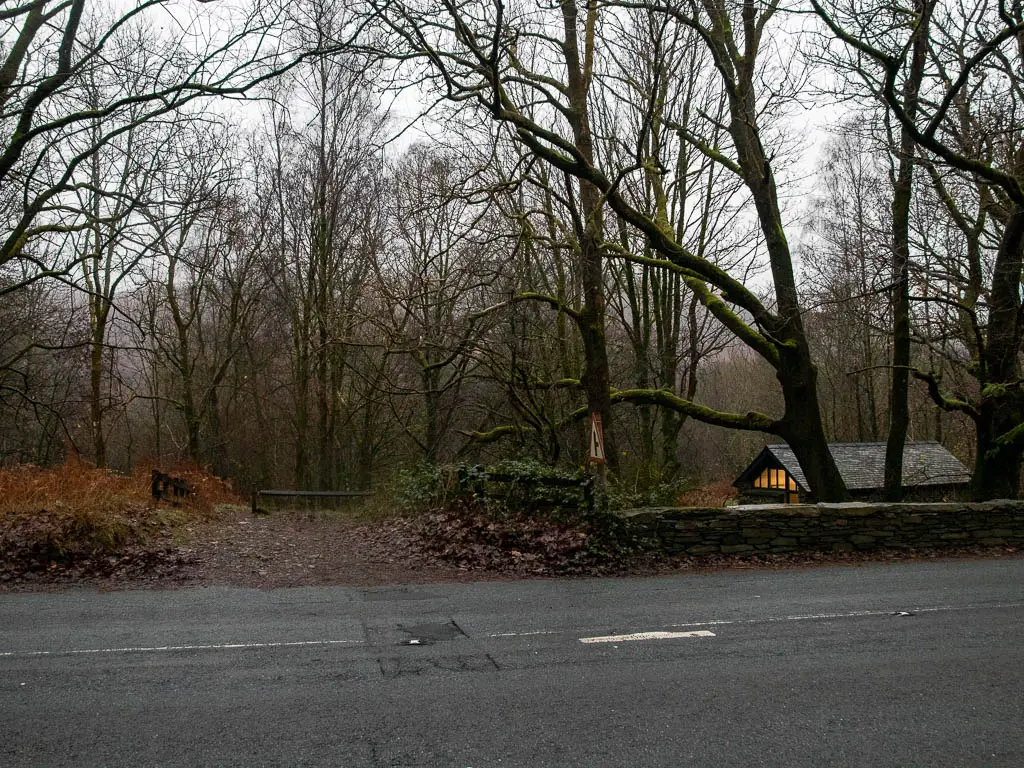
x=862, y=465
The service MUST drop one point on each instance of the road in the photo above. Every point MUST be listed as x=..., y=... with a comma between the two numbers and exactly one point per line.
x=879, y=665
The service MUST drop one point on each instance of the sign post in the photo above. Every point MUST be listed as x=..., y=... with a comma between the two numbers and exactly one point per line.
x=597, y=454
x=596, y=439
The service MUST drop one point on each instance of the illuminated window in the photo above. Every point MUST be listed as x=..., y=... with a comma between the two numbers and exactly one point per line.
x=775, y=478
x=779, y=479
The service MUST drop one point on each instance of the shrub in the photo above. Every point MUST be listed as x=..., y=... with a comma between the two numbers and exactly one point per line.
x=427, y=487
x=528, y=496
x=520, y=525
x=424, y=486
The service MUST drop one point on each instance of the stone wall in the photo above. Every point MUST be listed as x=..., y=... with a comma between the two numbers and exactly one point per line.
x=830, y=527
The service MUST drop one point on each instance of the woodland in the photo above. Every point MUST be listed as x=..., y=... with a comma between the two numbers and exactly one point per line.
x=318, y=243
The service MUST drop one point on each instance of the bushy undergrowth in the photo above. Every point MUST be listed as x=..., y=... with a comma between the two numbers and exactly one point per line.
x=624, y=496
x=422, y=487
x=525, y=526
x=517, y=526
x=496, y=538
x=429, y=487
x=74, y=511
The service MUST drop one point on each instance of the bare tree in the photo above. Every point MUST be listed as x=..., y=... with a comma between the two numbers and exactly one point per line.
x=966, y=120
x=40, y=374
x=846, y=281
x=665, y=90
x=76, y=76
x=324, y=172
x=535, y=74
x=436, y=272
x=204, y=291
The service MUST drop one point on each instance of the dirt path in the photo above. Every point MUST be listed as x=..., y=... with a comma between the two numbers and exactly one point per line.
x=287, y=550
x=238, y=549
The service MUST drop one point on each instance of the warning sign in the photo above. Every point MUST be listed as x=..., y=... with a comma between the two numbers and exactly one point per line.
x=596, y=439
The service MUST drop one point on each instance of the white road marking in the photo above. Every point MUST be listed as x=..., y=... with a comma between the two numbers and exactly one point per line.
x=849, y=615
x=170, y=648
x=777, y=619
x=608, y=638
x=646, y=636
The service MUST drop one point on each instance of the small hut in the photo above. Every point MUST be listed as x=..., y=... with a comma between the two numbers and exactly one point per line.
x=930, y=473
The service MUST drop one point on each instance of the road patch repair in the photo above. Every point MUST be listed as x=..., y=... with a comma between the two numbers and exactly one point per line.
x=428, y=634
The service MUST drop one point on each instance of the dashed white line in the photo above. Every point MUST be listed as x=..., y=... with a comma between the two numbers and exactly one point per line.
x=171, y=648
x=677, y=632
x=646, y=636
x=847, y=615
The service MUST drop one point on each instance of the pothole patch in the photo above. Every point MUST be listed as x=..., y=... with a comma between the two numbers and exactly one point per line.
x=428, y=634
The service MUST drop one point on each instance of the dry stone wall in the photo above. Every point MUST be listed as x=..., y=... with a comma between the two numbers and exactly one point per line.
x=830, y=527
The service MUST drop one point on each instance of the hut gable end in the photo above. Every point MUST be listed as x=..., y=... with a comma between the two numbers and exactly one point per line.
x=862, y=466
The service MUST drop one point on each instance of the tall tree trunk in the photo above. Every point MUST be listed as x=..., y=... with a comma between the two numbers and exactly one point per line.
x=801, y=425
x=899, y=409
x=185, y=366
x=802, y=428
x=997, y=468
x=217, y=456
x=432, y=437
x=367, y=441
x=97, y=360
x=324, y=386
x=157, y=409
x=596, y=380
x=672, y=422
x=302, y=383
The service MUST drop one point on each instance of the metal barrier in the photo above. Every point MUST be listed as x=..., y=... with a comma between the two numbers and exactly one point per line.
x=304, y=494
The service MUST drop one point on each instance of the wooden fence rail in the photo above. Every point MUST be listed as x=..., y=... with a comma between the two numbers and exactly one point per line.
x=304, y=494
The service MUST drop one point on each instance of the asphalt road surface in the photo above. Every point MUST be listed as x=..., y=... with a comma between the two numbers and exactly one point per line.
x=880, y=665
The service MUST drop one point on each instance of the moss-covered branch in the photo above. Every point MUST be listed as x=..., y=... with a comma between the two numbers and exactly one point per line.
x=721, y=311
x=1012, y=438
x=549, y=385
x=751, y=421
x=496, y=434
x=543, y=298
x=942, y=400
